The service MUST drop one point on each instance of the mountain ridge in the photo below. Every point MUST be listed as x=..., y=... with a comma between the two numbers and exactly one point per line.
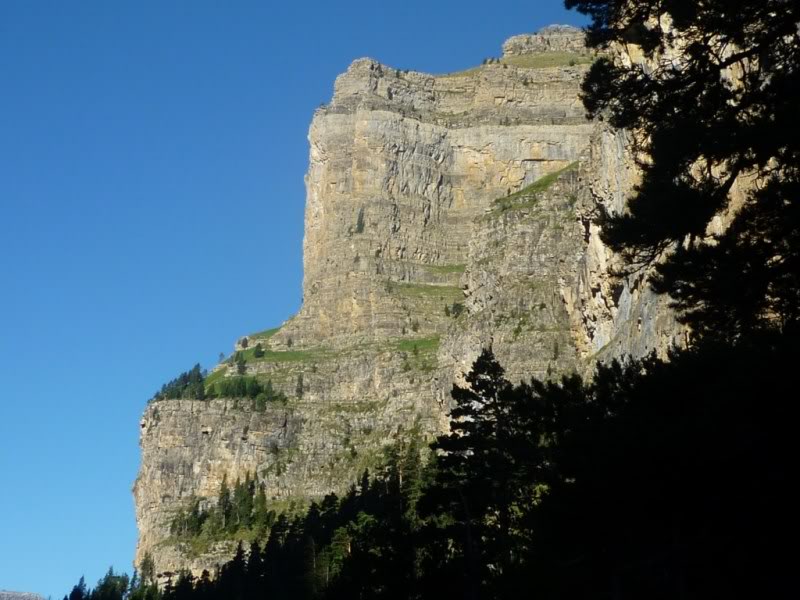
x=7, y=595
x=444, y=214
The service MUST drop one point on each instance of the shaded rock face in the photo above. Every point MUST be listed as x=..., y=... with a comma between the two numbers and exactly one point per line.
x=444, y=214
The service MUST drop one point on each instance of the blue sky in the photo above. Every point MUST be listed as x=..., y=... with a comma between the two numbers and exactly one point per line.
x=151, y=185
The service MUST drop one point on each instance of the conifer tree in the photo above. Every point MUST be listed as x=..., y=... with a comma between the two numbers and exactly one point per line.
x=255, y=569
x=232, y=582
x=224, y=504
x=262, y=516
x=472, y=476
x=79, y=591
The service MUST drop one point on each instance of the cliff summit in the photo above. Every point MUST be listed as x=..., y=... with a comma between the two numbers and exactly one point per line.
x=444, y=214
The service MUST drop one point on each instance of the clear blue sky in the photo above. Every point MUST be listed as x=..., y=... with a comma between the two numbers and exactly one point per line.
x=151, y=184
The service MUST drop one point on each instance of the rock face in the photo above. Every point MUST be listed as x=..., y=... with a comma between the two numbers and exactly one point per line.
x=19, y=596
x=554, y=38
x=443, y=214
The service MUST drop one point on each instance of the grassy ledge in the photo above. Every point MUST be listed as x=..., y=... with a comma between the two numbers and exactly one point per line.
x=529, y=192
x=420, y=353
x=287, y=356
x=546, y=60
x=536, y=60
x=264, y=335
x=426, y=344
x=212, y=378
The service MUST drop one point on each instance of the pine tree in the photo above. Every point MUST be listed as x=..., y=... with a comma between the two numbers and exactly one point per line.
x=262, y=516
x=79, y=591
x=233, y=577
x=243, y=496
x=224, y=504
x=241, y=363
x=255, y=570
x=486, y=468
x=147, y=568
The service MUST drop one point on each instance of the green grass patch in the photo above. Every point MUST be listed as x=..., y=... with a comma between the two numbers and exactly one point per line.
x=543, y=183
x=535, y=60
x=195, y=546
x=422, y=345
x=264, y=335
x=420, y=353
x=285, y=356
x=545, y=60
x=505, y=204
x=526, y=197
x=215, y=376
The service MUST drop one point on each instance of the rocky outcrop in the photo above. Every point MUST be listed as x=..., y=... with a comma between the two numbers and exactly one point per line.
x=19, y=596
x=443, y=214
x=614, y=316
x=554, y=38
x=525, y=251
x=401, y=165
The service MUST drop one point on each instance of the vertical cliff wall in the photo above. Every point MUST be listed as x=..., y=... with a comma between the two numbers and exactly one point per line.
x=443, y=214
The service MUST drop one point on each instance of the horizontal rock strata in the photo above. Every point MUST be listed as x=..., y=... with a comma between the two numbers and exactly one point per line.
x=443, y=214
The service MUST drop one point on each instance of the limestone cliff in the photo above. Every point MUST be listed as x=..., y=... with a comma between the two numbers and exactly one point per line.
x=443, y=214
x=19, y=596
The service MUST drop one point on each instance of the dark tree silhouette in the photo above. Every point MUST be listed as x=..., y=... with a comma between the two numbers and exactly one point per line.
x=79, y=591
x=489, y=470
x=673, y=480
x=715, y=104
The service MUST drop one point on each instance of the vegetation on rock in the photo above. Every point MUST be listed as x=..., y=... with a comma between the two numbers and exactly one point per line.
x=189, y=384
x=711, y=106
x=195, y=385
x=625, y=486
x=245, y=387
x=657, y=478
x=242, y=513
x=533, y=60
x=526, y=197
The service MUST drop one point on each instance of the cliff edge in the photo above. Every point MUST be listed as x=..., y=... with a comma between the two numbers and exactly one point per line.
x=443, y=214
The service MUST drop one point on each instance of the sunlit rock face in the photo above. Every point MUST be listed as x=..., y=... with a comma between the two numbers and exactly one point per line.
x=444, y=214
x=554, y=38
x=19, y=596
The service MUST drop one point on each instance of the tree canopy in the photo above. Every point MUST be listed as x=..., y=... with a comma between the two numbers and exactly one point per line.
x=713, y=105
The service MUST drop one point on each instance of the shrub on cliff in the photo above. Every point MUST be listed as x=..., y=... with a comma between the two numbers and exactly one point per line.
x=189, y=384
